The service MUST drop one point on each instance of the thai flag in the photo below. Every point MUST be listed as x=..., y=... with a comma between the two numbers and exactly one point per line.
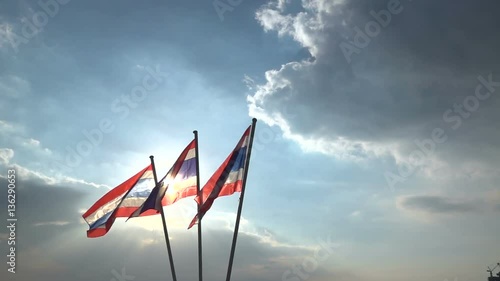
x=121, y=201
x=180, y=182
x=226, y=180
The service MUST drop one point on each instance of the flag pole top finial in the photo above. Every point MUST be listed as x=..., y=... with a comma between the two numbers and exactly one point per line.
x=195, y=132
x=254, y=120
x=151, y=157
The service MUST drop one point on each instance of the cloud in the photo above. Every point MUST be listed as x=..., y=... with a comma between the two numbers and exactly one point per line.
x=35, y=146
x=356, y=214
x=6, y=155
x=393, y=91
x=14, y=87
x=4, y=125
x=439, y=205
x=10, y=131
x=48, y=226
x=51, y=223
x=32, y=142
x=28, y=174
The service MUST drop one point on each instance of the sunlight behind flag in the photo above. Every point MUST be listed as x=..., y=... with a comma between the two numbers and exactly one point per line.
x=178, y=183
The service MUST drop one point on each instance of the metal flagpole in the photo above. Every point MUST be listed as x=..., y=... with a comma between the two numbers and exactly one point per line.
x=240, y=206
x=165, y=231
x=200, y=267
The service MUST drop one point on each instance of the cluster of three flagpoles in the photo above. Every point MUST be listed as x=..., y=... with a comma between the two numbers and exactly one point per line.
x=238, y=215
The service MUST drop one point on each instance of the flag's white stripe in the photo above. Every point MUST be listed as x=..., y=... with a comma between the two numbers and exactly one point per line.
x=133, y=201
x=235, y=176
x=245, y=142
x=127, y=202
x=103, y=210
x=191, y=154
x=147, y=175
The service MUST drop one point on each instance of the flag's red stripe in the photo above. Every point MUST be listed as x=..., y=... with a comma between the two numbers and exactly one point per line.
x=227, y=189
x=231, y=188
x=187, y=192
x=98, y=232
x=127, y=211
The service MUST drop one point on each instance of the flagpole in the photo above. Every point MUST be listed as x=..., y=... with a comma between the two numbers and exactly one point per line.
x=165, y=231
x=240, y=206
x=200, y=265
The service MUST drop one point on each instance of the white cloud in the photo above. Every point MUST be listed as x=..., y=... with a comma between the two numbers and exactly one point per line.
x=12, y=86
x=52, y=223
x=6, y=155
x=273, y=20
x=32, y=142
x=249, y=82
x=356, y=214
x=36, y=146
x=6, y=127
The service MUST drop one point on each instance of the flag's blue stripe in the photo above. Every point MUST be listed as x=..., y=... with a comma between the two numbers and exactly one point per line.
x=188, y=169
x=102, y=220
x=239, y=160
x=150, y=201
x=236, y=162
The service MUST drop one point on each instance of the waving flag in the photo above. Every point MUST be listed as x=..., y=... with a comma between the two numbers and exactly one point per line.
x=121, y=201
x=226, y=180
x=178, y=183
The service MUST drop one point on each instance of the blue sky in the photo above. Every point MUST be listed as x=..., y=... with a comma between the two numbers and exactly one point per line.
x=377, y=132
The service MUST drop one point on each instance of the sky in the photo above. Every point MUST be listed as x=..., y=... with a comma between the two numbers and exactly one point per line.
x=376, y=152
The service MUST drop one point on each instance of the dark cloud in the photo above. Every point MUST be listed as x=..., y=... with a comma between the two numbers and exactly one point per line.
x=439, y=205
x=44, y=211
x=51, y=243
x=396, y=88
